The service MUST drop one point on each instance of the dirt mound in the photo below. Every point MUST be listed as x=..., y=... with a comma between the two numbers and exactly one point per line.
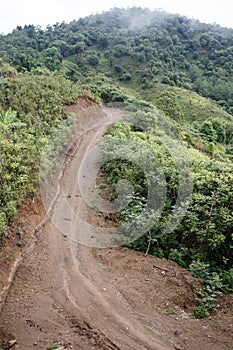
x=166, y=286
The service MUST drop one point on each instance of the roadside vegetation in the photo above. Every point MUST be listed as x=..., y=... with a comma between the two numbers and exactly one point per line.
x=31, y=106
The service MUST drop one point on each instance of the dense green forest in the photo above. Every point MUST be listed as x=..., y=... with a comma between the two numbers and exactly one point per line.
x=157, y=65
x=136, y=46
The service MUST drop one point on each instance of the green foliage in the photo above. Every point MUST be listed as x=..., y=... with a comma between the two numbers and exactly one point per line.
x=70, y=71
x=227, y=280
x=7, y=121
x=204, y=125
x=7, y=71
x=202, y=311
x=110, y=93
x=53, y=346
x=93, y=60
x=167, y=102
x=38, y=98
x=208, y=131
x=199, y=236
x=3, y=225
x=212, y=286
x=171, y=312
x=39, y=92
x=136, y=46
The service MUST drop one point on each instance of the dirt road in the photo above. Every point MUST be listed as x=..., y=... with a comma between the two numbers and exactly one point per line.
x=89, y=298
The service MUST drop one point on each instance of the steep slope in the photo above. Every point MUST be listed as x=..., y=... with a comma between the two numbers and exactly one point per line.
x=70, y=297
x=134, y=46
x=175, y=76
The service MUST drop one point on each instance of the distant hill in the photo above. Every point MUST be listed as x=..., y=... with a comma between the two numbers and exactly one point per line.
x=136, y=47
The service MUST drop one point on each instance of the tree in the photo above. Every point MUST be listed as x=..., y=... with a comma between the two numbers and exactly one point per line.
x=7, y=121
x=93, y=60
x=167, y=101
x=208, y=132
x=52, y=58
x=7, y=71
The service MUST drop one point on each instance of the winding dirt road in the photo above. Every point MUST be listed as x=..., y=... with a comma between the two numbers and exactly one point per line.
x=84, y=298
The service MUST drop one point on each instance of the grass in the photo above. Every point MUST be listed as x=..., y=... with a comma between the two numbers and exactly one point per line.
x=194, y=107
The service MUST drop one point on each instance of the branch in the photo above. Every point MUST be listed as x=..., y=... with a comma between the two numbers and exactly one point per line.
x=148, y=247
x=160, y=268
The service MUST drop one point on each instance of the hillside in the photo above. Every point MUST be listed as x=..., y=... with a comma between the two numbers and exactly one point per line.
x=68, y=296
x=169, y=81
x=135, y=46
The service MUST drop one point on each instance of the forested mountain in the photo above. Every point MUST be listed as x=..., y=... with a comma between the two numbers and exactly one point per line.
x=134, y=45
x=160, y=63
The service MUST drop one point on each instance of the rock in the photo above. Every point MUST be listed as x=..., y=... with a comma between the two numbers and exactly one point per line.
x=178, y=347
x=31, y=323
x=11, y=343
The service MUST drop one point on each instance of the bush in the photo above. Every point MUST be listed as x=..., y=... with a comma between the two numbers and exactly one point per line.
x=199, y=236
x=212, y=286
x=38, y=99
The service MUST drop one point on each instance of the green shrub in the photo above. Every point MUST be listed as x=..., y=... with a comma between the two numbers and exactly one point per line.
x=38, y=98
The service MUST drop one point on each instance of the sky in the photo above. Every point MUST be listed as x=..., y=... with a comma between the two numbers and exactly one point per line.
x=45, y=12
